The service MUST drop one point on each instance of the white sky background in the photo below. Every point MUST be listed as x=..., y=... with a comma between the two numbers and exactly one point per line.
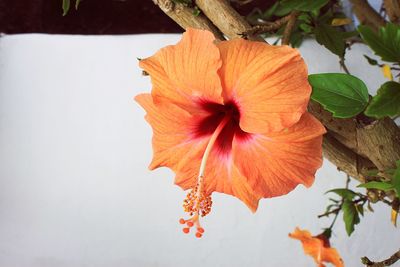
x=74, y=184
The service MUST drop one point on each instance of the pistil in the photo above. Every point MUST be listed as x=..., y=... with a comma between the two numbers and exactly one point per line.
x=198, y=202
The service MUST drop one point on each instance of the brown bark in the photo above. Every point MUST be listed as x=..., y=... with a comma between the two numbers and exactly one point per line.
x=388, y=262
x=185, y=17
x=226, y=18
x=392, y=8
x=366, y=14
x=353, y=145
x=345, y=159
x=289, y=27
x=378, y=141
x=268, y=27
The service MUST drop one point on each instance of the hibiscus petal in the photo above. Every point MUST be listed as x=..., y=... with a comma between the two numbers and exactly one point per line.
x=174, y=146
x=221, y=175
x=172, y=137
x=276, y=163
x=186, y=73
x=269, y=84
x=314, y=247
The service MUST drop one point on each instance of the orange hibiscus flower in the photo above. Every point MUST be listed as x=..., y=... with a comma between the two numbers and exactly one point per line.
x=317, y=247
x=231, y=118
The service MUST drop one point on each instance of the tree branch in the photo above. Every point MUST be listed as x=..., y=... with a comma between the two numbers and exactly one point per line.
x=289, y=27
x=226, y=18
x=353, y=145
x=366, y=14
x=390, y=261
x=268, y=27
x=184, y=16
x=379, y=140
x=392, y=8
x=345, y=159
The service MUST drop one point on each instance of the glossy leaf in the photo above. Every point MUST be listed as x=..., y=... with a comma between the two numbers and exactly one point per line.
x=331, y=38
x=344, y=193
x=65, y=6
x=184, y=2
x=296, y=39
x=271, y=11
x=342, y=94
x=386, y=102
x=350, y=34
x=350, y=216
x=384, y=186
x=196, y=11
x=360, y=209
x=286, y=6
x=386, y=43
x=305, y=27
x=77, y=2
x=305, y=18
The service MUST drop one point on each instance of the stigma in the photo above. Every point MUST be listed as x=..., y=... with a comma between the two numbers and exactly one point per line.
x=198, y=202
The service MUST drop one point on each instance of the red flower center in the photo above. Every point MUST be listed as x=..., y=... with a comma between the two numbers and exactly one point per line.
x=217, y=112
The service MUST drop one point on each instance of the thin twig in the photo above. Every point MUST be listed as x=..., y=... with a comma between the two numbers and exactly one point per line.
x=268, y=27
x=343, y=65
x=336, y=211
x=289, y=27
x=390, y=261
x=334, y=220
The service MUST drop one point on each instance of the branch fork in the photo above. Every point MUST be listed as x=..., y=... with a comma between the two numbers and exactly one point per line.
x=352, y=146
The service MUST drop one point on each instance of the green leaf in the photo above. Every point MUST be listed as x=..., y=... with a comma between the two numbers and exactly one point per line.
x=372, y=172
x=305, y=27
x=270, y=11
x=396, y=179
x=386, y=102
x=350, y=216
x=324, y=18
x=384, y=186
x=331, y=38
x=305, y=18
x=333, y=200
x=360, y=209
x=370, y=207
x=346, y=35
x=77, y=2
x=329, y=207
x=315, y=13
x=390, y=171
x=65, y=6
x=196, y=11
x=327, y=233
x=184, y=2
x=386, y=43
x=286, y=6
x=344, y=193
x=342, y=94
x=371, y=61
